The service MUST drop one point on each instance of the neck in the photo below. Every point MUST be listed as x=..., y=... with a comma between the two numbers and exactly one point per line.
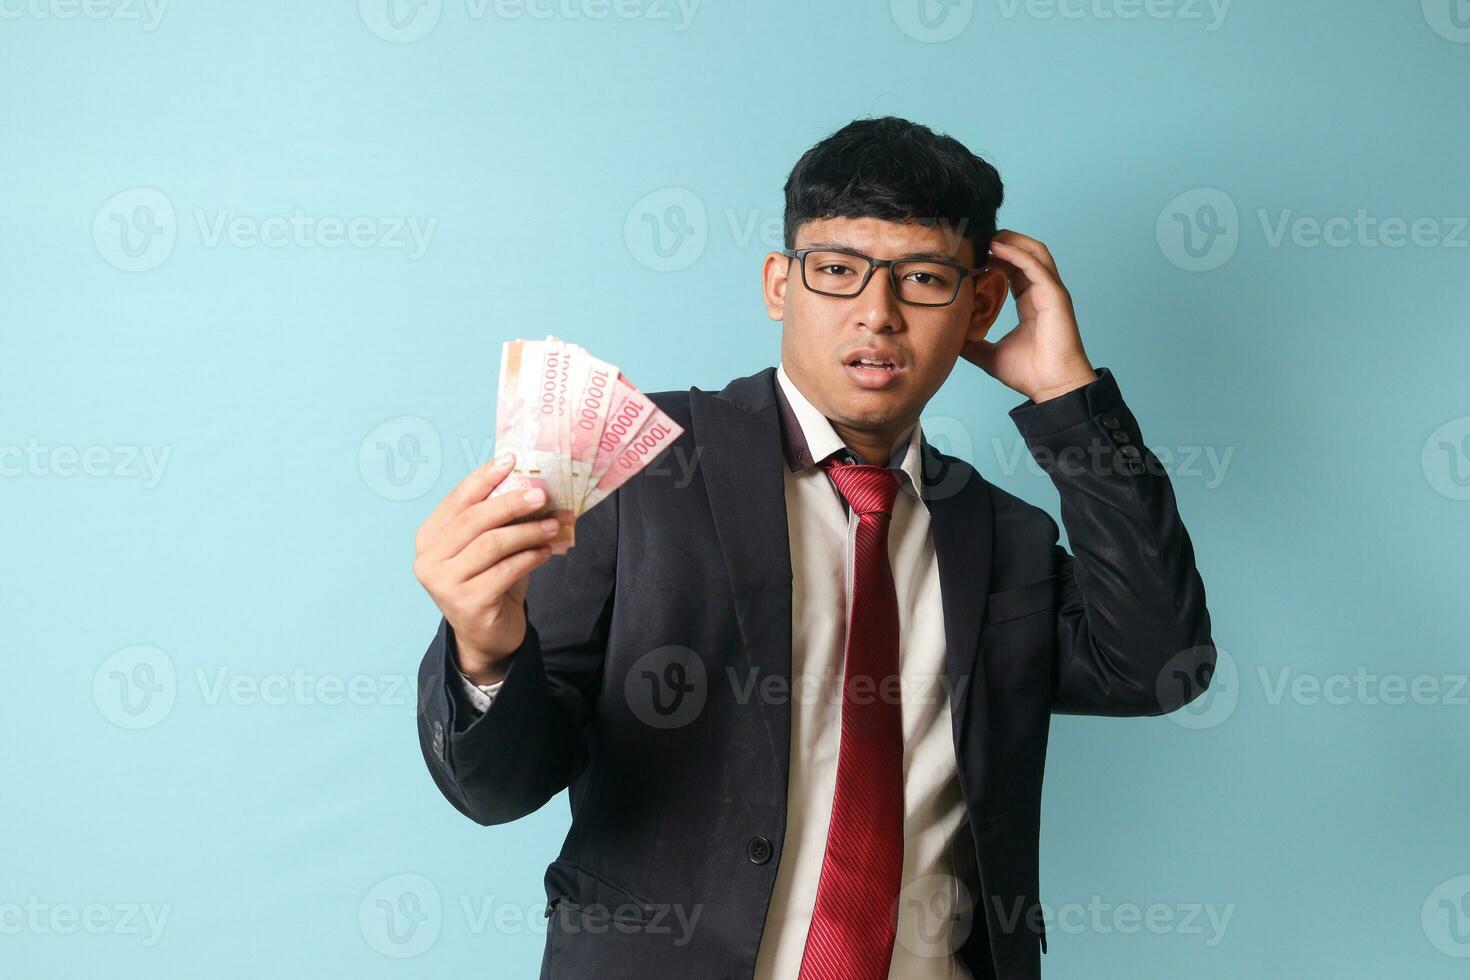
x=874, y=448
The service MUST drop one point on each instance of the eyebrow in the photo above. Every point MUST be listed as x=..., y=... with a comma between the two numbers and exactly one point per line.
x=929, y=256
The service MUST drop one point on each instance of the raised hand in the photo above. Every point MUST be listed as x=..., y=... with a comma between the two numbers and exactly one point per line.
x=1042, y=356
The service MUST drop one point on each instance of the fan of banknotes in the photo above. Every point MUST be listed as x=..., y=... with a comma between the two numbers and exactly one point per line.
x=577, y=426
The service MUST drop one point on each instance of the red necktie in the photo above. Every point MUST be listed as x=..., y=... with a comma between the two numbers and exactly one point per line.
x=856, y=913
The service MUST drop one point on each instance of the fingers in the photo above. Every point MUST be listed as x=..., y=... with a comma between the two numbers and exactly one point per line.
x=499, y=578
x=1015, y=240
x=471, y=490
x=1030, y=268
x=497, y=545
x=1016, y=281
x=1024, y=261
x=492, y=512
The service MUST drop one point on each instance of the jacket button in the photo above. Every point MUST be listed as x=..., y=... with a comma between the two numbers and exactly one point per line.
x=758, y=850
x=1129, y=451
x=1110, y=421
x=1121, y=436
x=436, y=731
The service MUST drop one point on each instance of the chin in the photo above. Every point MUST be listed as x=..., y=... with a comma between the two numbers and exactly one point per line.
x=872, y=408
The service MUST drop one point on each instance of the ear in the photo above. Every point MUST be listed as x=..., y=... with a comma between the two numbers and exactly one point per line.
x=991, y=288
x=774, y=280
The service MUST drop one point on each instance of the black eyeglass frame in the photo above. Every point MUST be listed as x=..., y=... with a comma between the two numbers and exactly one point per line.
x=963, y=273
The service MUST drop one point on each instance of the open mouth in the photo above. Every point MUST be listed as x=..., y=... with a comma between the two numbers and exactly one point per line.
x=872, y=368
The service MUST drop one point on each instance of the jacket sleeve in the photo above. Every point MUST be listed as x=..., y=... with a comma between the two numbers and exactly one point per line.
x=530, y=743
x=1133, y=633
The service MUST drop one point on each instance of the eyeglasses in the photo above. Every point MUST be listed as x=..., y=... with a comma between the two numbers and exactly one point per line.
x=917, y=282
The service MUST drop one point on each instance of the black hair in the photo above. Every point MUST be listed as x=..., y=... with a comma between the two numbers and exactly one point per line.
x=892, y=169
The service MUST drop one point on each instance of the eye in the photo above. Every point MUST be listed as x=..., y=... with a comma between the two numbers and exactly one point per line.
x=834, y=268
x=924, y=278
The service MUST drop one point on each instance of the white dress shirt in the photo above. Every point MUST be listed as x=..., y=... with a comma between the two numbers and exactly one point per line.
x=822, y=532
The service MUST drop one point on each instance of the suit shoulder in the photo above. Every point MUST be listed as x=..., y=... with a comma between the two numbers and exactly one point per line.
x=674, y=404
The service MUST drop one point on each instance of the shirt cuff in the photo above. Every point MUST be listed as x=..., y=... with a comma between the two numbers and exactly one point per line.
x=479, y=695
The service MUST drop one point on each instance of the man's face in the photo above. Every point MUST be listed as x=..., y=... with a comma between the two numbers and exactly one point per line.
x=823, y=337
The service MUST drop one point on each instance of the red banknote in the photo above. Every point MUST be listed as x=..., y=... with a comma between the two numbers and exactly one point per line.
x=579, y=429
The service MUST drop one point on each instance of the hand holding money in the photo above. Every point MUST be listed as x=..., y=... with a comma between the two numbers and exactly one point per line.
x=570, y=430
x=473, y=555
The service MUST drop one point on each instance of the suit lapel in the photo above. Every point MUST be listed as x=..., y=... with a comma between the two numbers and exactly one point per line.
x=960, y=520
x=737, y=438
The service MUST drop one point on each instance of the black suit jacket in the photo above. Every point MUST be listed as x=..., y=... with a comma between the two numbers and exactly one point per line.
x=651, y=678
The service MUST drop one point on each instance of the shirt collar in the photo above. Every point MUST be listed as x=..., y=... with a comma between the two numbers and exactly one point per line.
x=807, y=438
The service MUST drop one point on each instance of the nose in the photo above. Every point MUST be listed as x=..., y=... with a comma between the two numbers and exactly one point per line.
x=877, y=306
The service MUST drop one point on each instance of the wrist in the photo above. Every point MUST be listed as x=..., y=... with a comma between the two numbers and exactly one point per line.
x=1058, y=388
x=485, y=676
x=480, y=669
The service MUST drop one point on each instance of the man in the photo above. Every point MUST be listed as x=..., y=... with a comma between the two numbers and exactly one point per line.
x=800, y=684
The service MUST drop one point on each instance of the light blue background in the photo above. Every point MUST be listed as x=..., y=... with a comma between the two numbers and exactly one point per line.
x=1330, y=528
